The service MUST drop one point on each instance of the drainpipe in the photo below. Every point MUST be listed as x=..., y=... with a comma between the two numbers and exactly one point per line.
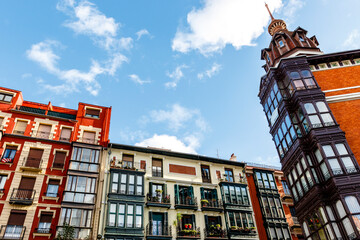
x=104, y=198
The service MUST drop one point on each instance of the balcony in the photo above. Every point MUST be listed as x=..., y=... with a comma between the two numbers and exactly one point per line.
x=186, y=203
x=43, y=230
x=43, y=112
x=22, y=196
x=215, y=232
x=31, y=110
x=31, y=164
x=156, y=173
x=188, y=233
x=42, y=134
x=160, y=200
x=87, y=140
x=243, y=232
x=211, y=205
x=133, y=166
x=158, y=233
x=236, y=179
x=12, y=232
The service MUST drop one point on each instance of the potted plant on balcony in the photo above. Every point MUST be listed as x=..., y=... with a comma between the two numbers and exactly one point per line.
x=204, y=202
x=234, y=228
x=158, y=194
x=253, y=229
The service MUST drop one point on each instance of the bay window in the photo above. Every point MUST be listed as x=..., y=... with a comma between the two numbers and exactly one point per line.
x=125, y=215
x=126, y=183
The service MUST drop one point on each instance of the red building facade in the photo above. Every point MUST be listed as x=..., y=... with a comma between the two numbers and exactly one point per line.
x=36, y=149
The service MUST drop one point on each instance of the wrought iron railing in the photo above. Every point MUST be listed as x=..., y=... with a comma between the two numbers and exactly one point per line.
x=88, y=140
x=215, y=232
x=211, y=203
x=42, y=134
x=32, y=162
x=189, y=201
x=161, y=198
x=43, y=230
x=158, y=231
x=12, y=232
x=24, y=196
x=190, y=232
x=43, y=112
x=61, y=115
x=127, y=165
x=31, y=110
x=156, y=173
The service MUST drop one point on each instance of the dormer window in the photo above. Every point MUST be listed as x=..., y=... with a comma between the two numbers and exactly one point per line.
x=5, y=97
x=301, y=39
x=281, y=43
x=268, y=58
x=94, y=113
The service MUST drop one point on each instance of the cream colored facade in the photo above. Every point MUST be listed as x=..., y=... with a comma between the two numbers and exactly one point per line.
x=173, y=165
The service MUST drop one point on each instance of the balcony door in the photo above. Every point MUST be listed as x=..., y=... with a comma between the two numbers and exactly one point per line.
x=156, y=167
x=158, y=223
x=26, y=187
x=34, y=158
x=15, y=224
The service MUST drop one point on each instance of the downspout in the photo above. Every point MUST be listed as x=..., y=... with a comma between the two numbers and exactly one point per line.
x=104, y=197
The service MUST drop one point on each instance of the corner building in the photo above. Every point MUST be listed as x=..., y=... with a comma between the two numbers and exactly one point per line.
x=305, y=100
x=159, y=194
x=36, y=145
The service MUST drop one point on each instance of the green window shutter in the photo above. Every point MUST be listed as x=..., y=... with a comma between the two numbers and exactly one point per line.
x=150, y=221
x=202, y=193
x=206, y=222
x=177, y=199
x=214, y=194
x=191, y=193
x=164, y=189
x=165, y=221
x=193, y=221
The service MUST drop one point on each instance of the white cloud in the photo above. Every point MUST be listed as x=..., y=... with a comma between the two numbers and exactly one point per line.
x=210, y=72
x=88, y=20
x=136, y=79
x=142, y=32
x=170, y=142
x=43, y=54
x=353, y=40
x=270, y=160
x=291, y=8
x=176, y=75
x=222, y=22
x=177, y=116
x=128, y=136
x=26, y=75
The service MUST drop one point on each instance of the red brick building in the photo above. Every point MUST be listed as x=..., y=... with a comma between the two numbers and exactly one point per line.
x=36, y=148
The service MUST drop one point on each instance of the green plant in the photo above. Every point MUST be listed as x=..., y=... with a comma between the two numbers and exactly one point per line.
x=159, y=190
x=218, y=226
x=67, y=233
x=204, y=201
x=234, y=227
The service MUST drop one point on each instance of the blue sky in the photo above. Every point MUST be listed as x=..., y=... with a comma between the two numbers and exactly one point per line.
x=179, y=74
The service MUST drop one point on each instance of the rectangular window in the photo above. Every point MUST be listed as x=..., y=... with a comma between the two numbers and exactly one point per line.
x=285, y=187
x=34, y=158
x=26, y=187
x=127, y=161
x=89, y=112
x=112, y=214
x=76, y=217
x=3, y=179
x=80, y=189
x=53, y=187
x=15, y=224
x=205, y=173
x=9, y=154
x=43, y=131
x=156, y=167
x=130, y=216
x=129, y=184
x=89, y=137
x=20, y=127
x=59, y=159
x=229, y=176
x=5, y=97
x=65, y=134
x=45, y=222
x=85, y=159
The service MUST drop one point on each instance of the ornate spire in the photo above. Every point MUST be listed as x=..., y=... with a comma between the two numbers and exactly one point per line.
x=276, y=25
x=267, y=7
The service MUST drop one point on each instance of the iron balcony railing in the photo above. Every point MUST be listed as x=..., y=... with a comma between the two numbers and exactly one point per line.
x=161, y=198
x=42, y=134
x=31, y=110
x=234, y=179
x=22, y=196
x=135, y=166
x=12, y=232
x=43, y=112
x=188, y=201
x=61, y=115
x=161, y=231
x=211, y=203
x=87, y=140
x=156, y=173
x=215, y=232
x=189, y=232
x=51, y=194
x=32, y=162
x=43, y=230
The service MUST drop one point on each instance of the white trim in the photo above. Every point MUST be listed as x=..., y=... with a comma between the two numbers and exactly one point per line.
x=340, y=89
x=343, y=97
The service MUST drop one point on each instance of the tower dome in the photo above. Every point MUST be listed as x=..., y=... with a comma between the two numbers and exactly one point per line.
x=276, y=25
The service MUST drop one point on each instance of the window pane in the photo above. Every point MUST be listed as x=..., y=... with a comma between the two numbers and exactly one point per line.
x=335, y=167
x=330, y=213
x=309, y=107
x=322, y=107
x=327, y=119
x=315, y=121
x=341, y=149
x=348, y=227
x=318, y=155
x=340, y=209
x=324, y=171
x=352, y=204
x=294, y=75
x=130, y=209
x=328, y=151
x=349, y=165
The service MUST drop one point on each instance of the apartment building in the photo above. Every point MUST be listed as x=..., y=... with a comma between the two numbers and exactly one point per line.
x=37, y=142
x=159, y=194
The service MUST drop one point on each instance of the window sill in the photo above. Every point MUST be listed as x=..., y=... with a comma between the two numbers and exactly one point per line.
x=9, y=164
x=59, y=169
x=92, y=117
x=42, y=235
x=50, y=198
x=31, y=169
